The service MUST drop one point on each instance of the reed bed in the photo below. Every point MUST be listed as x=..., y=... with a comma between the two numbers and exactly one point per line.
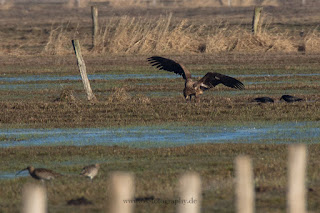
x=165, y=35
x=192, y=3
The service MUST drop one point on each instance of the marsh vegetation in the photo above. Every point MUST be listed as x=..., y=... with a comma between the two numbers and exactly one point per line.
x=40, y=88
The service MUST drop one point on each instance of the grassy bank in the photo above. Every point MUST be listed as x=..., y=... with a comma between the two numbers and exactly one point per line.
x=156, y=173
x=35, y=42
x=146, y=101
x=157, y=111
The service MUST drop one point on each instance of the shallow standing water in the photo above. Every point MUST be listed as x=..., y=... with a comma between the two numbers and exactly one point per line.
x=165, y=136
x=35, y=78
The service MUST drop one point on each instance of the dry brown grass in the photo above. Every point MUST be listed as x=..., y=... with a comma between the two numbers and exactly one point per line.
x=148, y=31
x=312, y=41
x=191, y=3
x=67, y=95
x=119, y=95
x=57, y=42
x=166, y=35
x=5, y=5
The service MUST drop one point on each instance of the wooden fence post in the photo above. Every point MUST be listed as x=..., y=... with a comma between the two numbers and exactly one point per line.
x=34, y=199
x=229, y=3
x=94, y=14
x=256, y=19
x=122, y=193
x=244, y=185
x=296, y=201
x=83, y=71
x=154, y=3
x=190, y=193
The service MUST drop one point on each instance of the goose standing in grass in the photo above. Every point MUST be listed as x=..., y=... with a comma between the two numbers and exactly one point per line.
x=90, y=171
x=194, y=87
x=41, y=173
x=289, y=98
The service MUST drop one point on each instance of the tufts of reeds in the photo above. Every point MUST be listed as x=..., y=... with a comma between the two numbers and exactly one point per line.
x=67, y=95
x=119, y=95
x=127, y=35
x=142, y=99
x=6, y=5
x=191, y=3
x=142, y=35
x=56, y=41
x=59, y=40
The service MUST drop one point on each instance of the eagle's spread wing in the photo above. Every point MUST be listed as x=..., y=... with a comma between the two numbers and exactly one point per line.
x=169, y=65
x=212, y=79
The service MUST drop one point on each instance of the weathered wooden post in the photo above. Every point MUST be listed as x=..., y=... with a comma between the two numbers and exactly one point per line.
x=296, y=201
x=154, y=3
x=190, y=193
x=34, y=199
x=229, y=3
x=122, y=190
x=244, y=185
x=83, y=71
x=256, y=19
x=94, y=13
x=304, y=2
x=302, y=43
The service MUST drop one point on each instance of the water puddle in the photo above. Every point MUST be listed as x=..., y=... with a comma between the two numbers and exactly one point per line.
x=160, y=136
x=35, y=78
x=8, y=175
x=35, y=82
x=165, y=136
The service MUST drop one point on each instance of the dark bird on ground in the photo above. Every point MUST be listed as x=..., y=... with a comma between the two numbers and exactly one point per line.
x=41, y=173
x=194, y=87
x=90, y=171
x=79, y=201
x=263, y=100
x=289, y=98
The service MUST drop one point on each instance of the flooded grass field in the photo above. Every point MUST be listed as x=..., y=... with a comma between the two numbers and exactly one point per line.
x=141, y=122
x=166, y=136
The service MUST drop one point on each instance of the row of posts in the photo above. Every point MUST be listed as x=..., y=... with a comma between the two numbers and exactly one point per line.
x=189, y=186
x=95, y=31
x=95, y=24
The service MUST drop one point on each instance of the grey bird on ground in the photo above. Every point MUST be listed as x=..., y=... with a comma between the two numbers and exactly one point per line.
x=90, y=171
x=41, y=173
x=194, y=87
x=289, y=98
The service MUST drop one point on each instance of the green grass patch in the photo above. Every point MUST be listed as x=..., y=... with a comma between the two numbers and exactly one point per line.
x=156, y=174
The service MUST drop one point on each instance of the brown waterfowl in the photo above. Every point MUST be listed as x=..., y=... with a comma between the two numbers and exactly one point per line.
x=194, y=87
x=90, y=171
x=41, y=173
